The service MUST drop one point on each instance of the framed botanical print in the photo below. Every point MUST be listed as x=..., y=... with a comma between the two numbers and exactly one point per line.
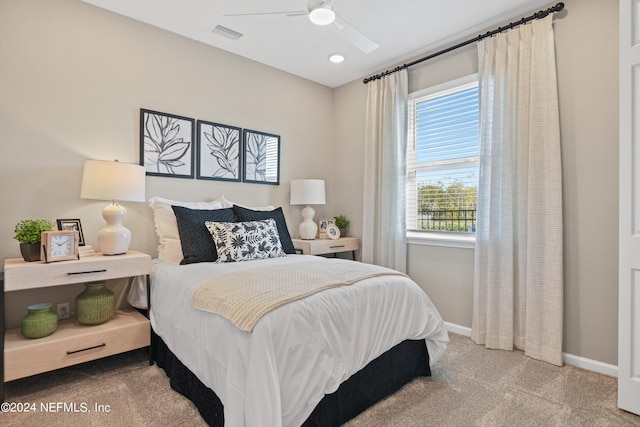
x=166, y=144
x=219, y=148
x=261, y=157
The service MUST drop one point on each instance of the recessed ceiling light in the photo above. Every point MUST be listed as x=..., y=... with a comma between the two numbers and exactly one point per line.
x=322, y=16
x=336, y=58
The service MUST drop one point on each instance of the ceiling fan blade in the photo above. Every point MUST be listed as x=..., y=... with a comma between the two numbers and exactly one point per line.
x=354, y=36
x=288, y=13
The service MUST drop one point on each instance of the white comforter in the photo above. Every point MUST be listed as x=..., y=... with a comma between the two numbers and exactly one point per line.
x=277, y=374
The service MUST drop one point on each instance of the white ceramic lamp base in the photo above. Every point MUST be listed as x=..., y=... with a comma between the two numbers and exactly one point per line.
x=308, y=228
x=114, y=238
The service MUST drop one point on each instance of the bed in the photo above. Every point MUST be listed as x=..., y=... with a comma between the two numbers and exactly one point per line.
x=317, y=360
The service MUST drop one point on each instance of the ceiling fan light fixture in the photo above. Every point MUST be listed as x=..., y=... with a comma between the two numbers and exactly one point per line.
x=336, y=58
x=322, y=16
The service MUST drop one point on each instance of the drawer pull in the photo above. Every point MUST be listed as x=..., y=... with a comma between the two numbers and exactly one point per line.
x=337, y=246
x=87, y=272
x=85, y=349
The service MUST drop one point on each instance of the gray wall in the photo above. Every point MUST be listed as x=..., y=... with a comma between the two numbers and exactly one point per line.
x=586, y=37
x=73, y=79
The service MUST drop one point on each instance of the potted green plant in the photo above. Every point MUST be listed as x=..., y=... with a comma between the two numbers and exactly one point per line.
x=342, y=223
x=28, y=232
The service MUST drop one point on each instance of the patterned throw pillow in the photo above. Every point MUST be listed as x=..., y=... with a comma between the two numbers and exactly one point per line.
x=244, y=241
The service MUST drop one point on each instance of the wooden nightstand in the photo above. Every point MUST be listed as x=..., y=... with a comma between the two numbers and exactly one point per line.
x=71, y=343
x=327, y=246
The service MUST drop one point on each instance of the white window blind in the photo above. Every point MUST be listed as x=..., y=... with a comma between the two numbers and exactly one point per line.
x=442, y=157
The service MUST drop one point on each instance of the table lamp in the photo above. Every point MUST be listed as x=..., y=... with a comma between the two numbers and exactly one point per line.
x=307, y=192
x=107, y=180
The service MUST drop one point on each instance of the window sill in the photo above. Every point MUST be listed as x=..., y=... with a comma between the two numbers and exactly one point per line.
x=452, y=240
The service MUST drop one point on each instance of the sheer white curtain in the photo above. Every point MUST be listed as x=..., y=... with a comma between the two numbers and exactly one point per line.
x=518, y=281
x=384, y=227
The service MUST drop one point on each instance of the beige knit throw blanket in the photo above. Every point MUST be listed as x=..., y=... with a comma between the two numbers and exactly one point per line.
x=245, y=296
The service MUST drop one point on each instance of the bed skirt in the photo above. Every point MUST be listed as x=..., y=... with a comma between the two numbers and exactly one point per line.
x=379, y=379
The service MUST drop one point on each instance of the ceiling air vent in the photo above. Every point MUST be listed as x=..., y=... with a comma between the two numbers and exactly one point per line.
x=226, y=32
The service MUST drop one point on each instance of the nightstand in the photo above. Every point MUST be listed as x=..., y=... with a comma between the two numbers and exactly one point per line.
x=327, y=246
x=72, y=343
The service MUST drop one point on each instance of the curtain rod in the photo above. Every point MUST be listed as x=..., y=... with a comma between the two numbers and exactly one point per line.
x=538, y=15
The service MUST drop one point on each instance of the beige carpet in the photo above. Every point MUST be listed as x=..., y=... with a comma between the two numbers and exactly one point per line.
x=471, y=386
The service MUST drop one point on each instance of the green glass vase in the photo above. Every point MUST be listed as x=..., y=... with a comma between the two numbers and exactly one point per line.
x=95, y=305
x=39, y=322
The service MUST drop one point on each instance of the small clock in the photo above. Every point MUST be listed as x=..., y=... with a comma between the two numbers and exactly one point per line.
x=333, y=232
x=60, y=245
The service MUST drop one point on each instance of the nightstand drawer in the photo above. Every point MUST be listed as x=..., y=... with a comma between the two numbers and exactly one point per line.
x=327, y=246
x=322, y=246
x=28, y=275
x=73, y=343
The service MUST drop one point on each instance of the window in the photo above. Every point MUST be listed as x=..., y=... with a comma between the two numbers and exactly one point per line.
x=442, y=157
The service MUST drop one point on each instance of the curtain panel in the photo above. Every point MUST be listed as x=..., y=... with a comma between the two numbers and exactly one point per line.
x=518, y=280
x=384, y=240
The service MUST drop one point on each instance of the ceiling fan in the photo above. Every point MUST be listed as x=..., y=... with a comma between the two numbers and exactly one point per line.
x=321, y=12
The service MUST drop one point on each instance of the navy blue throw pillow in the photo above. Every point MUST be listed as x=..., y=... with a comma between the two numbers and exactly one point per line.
x=244, y=214
x=195, y=239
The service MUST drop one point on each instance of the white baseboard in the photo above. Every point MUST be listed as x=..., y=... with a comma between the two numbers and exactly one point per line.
x=590, y=365
x=457, y=329
x=569, y=359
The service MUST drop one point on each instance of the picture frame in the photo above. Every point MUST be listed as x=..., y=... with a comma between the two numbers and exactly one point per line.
x=261, y=157
x=333, y=232
x=219, y=151
x=72, y=225
x=166, y=144
x=323, y=223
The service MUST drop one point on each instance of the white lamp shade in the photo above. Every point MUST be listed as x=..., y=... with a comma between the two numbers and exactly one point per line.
x=106, y=180
x=307, y=192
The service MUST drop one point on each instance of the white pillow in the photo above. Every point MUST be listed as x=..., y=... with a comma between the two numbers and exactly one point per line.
x=170, y=248
x=229, y=204
x=226, y=203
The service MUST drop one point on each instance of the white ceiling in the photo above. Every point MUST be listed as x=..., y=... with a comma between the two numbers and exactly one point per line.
x=401, y=28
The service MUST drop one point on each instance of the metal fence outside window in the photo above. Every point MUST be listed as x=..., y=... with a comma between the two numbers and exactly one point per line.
x=463, y=220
